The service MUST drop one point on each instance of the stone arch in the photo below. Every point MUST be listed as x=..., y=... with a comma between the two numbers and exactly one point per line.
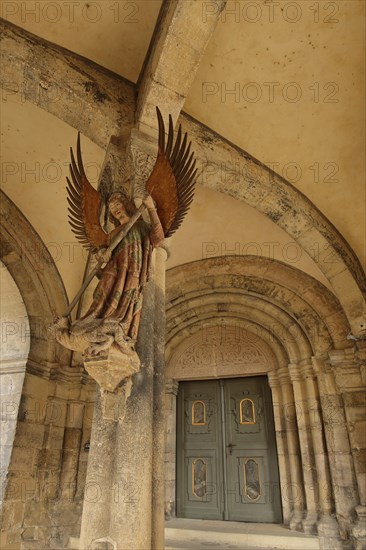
x=277, y=296
x=228, y=169
x=297, y=320
x=38, y=280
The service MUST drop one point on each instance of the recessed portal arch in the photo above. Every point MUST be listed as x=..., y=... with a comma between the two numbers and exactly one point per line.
x=298, y=323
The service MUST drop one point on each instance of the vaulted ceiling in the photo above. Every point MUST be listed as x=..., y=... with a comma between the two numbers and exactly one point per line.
x=284, y=81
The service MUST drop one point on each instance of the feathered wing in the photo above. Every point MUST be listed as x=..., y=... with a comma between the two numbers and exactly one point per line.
x=172, y=181
x=84, y=205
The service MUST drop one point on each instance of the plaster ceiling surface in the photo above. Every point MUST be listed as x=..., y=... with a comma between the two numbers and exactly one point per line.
x=35, y=159
x=113, y=33
x=285, y=81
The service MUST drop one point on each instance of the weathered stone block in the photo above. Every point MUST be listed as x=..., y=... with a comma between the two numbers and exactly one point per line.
x=29, y=435
x=22, y=458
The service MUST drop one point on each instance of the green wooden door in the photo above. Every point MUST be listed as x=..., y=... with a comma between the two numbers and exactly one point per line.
x=226, y=453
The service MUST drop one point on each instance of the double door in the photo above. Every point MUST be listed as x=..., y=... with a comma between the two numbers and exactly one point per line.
x=226, y=452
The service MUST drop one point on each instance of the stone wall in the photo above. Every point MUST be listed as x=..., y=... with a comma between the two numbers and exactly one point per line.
x=15, y=339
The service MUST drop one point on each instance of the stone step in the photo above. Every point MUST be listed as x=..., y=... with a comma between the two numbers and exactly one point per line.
x=181, y=534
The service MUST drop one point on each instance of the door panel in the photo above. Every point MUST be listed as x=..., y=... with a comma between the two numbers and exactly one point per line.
x=250, y=444
x=199, y=455
x=226, y=452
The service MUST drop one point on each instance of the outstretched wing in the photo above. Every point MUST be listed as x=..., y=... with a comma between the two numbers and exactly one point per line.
x=84, y=205
x=172, y=181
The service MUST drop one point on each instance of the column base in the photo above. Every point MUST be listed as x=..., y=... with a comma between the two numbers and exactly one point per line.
x=328, y=532
x=359, y=529
x=296, y=520
x=310, y=523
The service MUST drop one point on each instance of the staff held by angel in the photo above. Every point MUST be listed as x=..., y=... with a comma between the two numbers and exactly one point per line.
x=112, y=320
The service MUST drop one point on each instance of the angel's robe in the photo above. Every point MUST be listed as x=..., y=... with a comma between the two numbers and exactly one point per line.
x=118, y=294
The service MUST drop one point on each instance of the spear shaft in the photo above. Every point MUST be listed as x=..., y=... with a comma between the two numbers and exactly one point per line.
x=114, y=242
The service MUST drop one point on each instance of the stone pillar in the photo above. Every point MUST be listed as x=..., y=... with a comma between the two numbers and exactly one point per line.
x=127, y=443
x=306, y=446
x=348, y=365
x=40, y=508
x=359, y=529
x=118, y=493
x=171, y=392
x=338, y=446
x=281, y=440
x=296, y=490
x=327, y=525
x=158, y=451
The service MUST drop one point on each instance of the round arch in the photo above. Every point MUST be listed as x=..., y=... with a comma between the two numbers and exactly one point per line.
x=37, y=278
x=289, y=318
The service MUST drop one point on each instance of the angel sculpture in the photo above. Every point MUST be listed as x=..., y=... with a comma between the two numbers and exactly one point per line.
x=112, y=320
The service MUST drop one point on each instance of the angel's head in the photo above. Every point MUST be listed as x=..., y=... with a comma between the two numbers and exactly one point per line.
x=120, y=208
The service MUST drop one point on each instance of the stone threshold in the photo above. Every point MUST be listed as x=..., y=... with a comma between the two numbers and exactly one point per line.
x=216, y=535
x=199, y=534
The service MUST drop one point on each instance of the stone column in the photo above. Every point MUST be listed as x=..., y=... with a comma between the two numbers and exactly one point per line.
x=327, y=525
x=338, y=447
x=158, y=451
x=348, y=365
x=118, y=493
x=40, y=510
x=281, y=440
x=171, y=392
x=306, y=447
x=296, y=489
x=128, y=436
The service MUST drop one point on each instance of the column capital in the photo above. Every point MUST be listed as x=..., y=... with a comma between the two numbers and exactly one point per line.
x=346, y=368
x=273, y=379
x=283, y=375
x=321, y=364
x=342, y=357
x=306, y=368
x=171, y=386
x=294, y=372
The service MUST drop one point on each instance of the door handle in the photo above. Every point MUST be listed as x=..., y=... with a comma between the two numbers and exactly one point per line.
x=230, y=447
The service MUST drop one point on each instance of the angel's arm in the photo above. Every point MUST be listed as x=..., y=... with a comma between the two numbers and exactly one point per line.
x=156, y=232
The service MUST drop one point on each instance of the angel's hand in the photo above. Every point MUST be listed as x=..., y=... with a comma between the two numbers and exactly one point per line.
x=148, y=202
x=104, y=254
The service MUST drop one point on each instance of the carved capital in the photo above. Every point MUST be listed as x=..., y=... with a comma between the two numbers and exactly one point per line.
x=171, y=387
x=283, y=376
x=294, y=372
x=346, y=369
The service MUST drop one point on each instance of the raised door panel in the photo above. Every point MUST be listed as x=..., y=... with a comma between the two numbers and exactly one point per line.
x=252, y=473
x=199, y=453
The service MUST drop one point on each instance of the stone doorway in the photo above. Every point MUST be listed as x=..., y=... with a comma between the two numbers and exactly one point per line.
x=226, y=452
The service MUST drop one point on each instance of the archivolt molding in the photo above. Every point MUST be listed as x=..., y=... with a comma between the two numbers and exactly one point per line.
x=296, y=315
x=39, y=282
x=276, y=323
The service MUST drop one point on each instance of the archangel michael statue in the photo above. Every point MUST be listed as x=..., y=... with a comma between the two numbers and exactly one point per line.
x=112, y=320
